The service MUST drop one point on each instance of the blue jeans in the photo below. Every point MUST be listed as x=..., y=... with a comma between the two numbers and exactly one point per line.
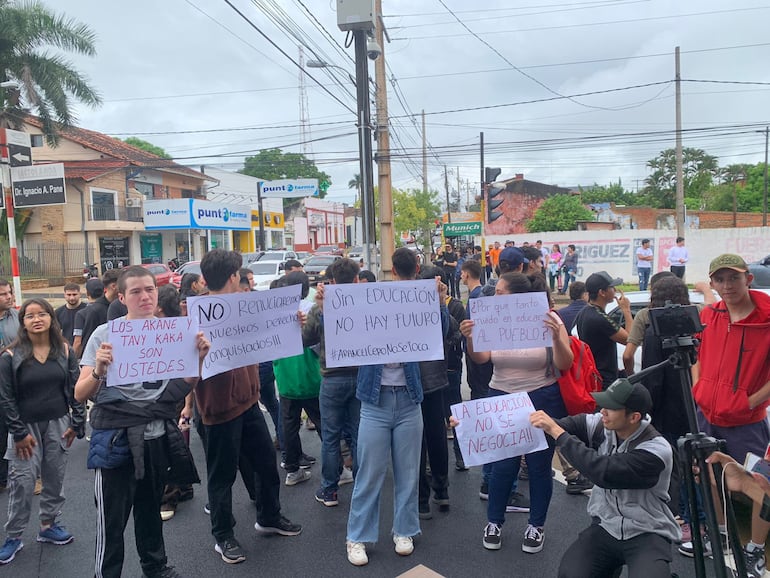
x=644, y=277
x=391, y=429
x=505, y=472
x=569, y=277
x=339, y=416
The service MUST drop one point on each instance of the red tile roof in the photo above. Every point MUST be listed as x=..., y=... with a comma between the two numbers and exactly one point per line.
x=118, y=150
x=89, y=170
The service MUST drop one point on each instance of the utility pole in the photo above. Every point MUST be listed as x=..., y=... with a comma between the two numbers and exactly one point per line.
x=679, y=169
x=424, y=156
x=764, y=196
x=446, y=190
x=458, y=189
x=365, y=144
x=387, y=237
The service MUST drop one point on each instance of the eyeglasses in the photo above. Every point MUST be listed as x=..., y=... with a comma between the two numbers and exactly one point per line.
x=41, y=315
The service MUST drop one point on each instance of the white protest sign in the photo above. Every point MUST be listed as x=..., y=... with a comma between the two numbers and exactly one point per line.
x=373, y=323
x=510, y=322
x=248, y=328
x=152, y=349
x=495, y=428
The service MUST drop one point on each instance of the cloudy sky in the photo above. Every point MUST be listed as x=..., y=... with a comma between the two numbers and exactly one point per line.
x=196, y=78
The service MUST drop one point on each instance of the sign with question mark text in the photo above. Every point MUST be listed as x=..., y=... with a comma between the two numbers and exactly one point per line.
x=514, y=321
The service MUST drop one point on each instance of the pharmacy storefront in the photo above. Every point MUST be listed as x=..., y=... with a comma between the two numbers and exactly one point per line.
x=190, y=227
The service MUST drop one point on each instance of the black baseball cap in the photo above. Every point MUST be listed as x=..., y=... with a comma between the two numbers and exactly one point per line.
x=94, y=288
x=602, y=280
x=623, y=394
x=514, y=256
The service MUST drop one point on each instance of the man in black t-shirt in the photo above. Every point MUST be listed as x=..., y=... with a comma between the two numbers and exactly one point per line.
x=598, y=330
x=66, y=313
x=96, y=313
x=449, y=260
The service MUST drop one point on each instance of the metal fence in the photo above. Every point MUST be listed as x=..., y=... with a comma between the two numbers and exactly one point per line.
x=50, y=261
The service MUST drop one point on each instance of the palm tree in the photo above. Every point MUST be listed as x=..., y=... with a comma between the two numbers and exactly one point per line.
x=47, y=82
x=355, y=183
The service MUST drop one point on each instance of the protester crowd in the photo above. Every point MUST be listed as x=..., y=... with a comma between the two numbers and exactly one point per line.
x=374, y=418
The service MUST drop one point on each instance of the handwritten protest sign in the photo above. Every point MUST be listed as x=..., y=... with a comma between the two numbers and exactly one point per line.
x=510, y=322
x=372, y=323
x=248, y=328
x=496, y=428
x=152, y=349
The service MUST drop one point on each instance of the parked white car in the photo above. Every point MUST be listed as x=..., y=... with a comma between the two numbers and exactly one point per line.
x=265, y=272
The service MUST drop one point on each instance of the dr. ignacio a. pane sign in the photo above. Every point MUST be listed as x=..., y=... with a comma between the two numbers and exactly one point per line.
x=496, y=428
x=510, y=322
x=39, y=185
x=374, y=323
x=248, y=328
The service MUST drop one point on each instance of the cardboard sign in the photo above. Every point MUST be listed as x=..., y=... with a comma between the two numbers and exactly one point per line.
x=152, y=349
x=510, y=322
x=248, y=328
x=374, y=323
x=495, y=428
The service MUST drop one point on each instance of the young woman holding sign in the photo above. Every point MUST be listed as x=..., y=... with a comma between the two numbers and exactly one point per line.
x=37, y=380
x=532, y=371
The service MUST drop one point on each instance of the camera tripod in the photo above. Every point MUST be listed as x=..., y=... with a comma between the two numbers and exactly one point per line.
x=694, y=447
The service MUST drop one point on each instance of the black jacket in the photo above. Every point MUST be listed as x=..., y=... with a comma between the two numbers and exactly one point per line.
x=9, y=370
x=133, y=416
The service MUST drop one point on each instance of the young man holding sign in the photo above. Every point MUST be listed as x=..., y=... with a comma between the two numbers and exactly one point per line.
x=135, y=444
x=630, y=463
x=236, y=430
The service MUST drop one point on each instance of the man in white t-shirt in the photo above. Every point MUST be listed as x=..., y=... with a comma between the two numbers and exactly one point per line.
x=644, y=264
x=678, y=257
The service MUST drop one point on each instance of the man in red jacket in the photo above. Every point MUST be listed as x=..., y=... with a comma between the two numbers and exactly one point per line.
x=732, y=378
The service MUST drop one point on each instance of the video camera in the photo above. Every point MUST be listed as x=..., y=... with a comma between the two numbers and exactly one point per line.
x=673, y=320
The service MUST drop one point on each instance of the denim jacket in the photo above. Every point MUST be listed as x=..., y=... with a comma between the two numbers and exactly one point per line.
x=369, y=382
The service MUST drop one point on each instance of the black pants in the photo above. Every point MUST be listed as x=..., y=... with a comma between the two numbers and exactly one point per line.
x=117, y=492
x=479, y=376
x=244, y=466
x=291, y=418
x=434, y=445
x=597, y=554
x=3, y=447
x=243, y=439
x=678, y=270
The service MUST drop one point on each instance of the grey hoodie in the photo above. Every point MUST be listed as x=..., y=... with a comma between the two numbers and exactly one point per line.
x=632, y=478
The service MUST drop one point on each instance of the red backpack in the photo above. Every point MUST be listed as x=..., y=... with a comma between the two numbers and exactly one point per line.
x=580, y=380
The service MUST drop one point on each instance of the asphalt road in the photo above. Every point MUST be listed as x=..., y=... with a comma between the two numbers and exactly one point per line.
x=450, y=543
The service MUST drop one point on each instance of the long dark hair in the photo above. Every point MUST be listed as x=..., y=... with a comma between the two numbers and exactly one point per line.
x=23, y=346
x=521, y=283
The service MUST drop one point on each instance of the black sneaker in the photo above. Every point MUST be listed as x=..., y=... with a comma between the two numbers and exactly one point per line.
x=517, y=502
x=755, y=562
x=460, y=465
x=534, y=538
x=441, y=499
x=484, y=491
x=305, y=461
x=326, y=497
x=231, y=551
x=282, y=527
x=492, y=536
x=579, y=485
x=424, y=510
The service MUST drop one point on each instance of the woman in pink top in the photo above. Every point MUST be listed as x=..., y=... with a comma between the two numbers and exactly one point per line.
x=533, y=371
x=554, y=271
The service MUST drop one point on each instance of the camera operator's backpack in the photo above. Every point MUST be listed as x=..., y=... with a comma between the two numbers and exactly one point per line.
x=580, y=380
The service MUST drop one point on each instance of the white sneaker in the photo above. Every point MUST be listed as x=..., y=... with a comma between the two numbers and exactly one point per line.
x=404, y=545
x=357, y=554
x=346, y=477
x=294, y=478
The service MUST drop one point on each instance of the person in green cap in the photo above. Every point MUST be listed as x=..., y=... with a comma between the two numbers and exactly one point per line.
x=732, y=377
x=630, y=464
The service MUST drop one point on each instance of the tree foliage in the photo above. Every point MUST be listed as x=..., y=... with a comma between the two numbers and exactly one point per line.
x=147, y=146
x=612, y=193
x=274, y=164
x=415, y=211
x=48, y=82
x=559, y=213
x=699, y=171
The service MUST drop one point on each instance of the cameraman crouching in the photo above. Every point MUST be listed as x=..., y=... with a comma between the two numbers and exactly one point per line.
x=630, y=463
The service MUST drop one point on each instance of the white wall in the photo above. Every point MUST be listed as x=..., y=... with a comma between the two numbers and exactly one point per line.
x=613, y=251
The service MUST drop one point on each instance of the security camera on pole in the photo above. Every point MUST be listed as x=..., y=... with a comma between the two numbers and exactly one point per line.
x=357, y=16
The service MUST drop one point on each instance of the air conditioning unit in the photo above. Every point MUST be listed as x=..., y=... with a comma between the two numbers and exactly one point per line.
x=133, y=202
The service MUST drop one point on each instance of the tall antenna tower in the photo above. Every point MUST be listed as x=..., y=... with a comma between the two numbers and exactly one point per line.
x=304, y=115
